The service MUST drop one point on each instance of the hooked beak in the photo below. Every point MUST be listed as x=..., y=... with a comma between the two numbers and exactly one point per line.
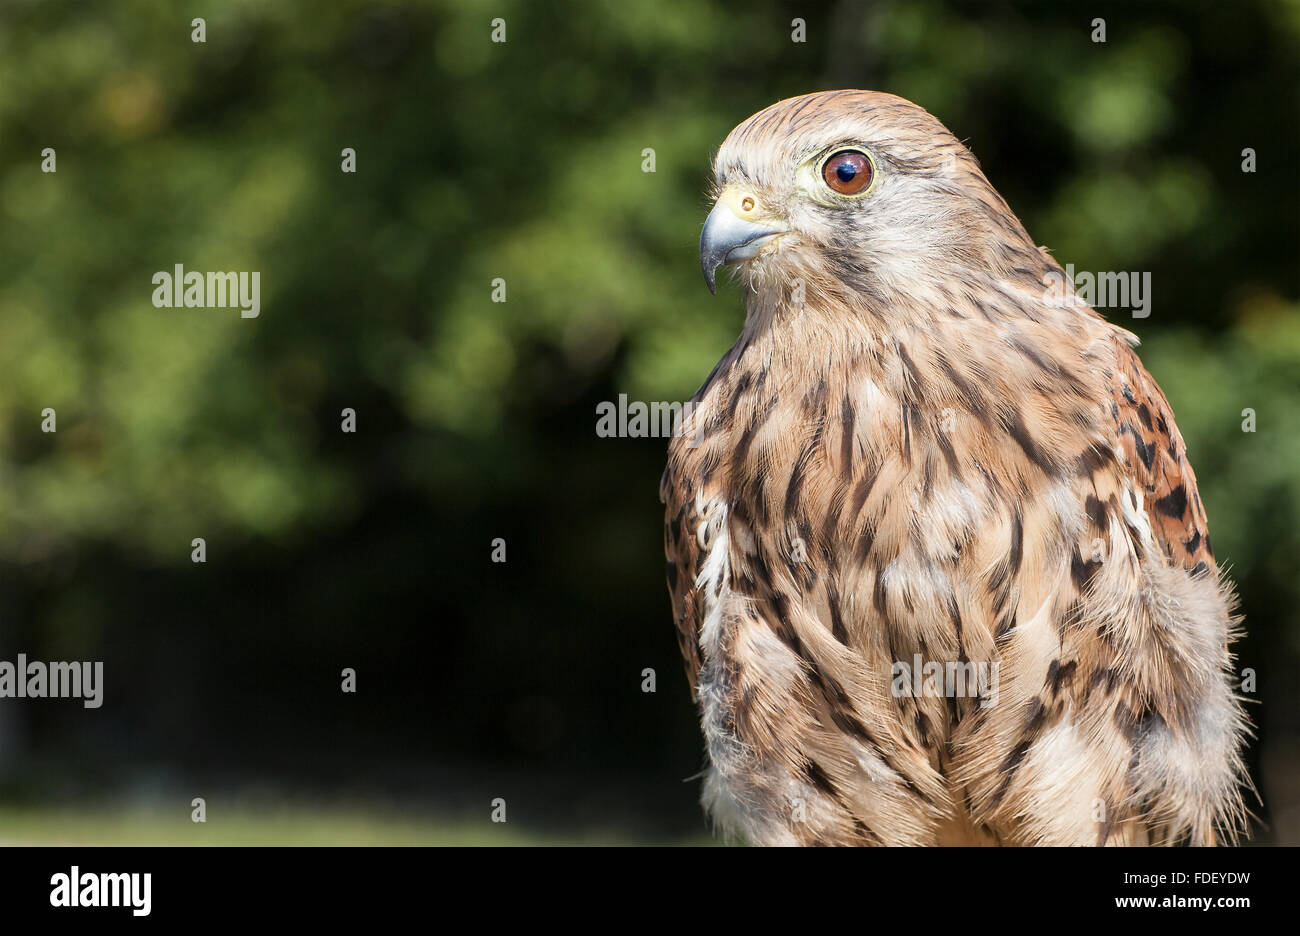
x=729, y=235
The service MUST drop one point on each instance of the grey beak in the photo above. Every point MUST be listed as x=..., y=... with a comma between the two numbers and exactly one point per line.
x=727, y=238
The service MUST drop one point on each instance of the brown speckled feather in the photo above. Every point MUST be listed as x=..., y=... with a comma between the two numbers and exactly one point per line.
x=916, y=454
x=683, y=552
x=1154, y=448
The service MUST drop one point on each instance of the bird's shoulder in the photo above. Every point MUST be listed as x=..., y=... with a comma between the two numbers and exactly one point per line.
x=1156, y=463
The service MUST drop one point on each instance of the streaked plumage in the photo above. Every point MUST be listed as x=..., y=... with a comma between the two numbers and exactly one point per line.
x=915, y=447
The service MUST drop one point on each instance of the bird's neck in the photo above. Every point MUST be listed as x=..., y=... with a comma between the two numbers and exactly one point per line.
x=810, y=328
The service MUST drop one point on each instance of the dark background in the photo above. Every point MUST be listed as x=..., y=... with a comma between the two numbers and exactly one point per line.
x=476, y=419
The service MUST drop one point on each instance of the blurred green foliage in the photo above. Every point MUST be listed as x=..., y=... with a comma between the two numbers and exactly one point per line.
x=523, y=160
x=300, y=827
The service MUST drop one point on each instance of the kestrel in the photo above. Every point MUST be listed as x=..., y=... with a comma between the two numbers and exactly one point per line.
x=937, y=559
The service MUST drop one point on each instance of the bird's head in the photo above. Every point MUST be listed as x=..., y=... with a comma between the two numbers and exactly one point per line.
x=857, y=189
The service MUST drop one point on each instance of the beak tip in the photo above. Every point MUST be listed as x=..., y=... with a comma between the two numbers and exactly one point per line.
x=711, y=280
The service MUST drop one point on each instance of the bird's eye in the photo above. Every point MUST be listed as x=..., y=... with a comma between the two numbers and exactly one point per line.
x=847, y=172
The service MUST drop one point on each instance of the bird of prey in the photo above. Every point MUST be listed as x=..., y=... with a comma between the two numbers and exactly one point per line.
x=939, y=567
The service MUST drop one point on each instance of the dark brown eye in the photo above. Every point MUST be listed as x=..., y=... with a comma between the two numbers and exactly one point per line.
x=847, y=172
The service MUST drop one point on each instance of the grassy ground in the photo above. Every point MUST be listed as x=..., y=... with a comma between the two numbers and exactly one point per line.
x=262, y=826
